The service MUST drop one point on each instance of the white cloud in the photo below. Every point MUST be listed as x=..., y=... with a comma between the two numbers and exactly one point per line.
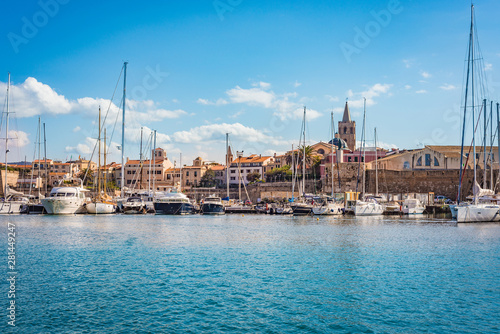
x=219, y=102
x=332, y=98
x=35, y=98
x=237, y=114
x=16, y=139
x=77, y=129
x=425, y=74
x=261, y=97
x=356, y=99
x=407, y=62
x=488, y=67
x=217, y=132
x=296, y=84
x=407, y=87
x=447, y=87
x=422, y=91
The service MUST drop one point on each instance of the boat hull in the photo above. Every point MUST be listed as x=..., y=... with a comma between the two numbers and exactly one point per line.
x=301, y=210
x=96, y=208
x=63, y=206
x=11, y=207
x=212, y=209
x=173, y=208
x=368, y=209
x=327, y=210
x=478, y=213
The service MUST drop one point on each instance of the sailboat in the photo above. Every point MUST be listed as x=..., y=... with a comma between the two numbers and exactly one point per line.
x=327, y=205
x=369, y=206
x=12, y=202
x=475, y=211
x=303, y=207
x=102, y=203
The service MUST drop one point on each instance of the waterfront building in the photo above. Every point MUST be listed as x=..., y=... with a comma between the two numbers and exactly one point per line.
x=137, y=172
x=191, y=175
x=347, y=129
x=247, y=165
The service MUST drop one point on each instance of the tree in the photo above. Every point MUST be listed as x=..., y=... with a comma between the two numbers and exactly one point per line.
x=208, y=179
x=279, y=174
x=253, y=176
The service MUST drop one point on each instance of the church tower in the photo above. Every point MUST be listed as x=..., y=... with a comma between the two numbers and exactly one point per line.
x=347, y=129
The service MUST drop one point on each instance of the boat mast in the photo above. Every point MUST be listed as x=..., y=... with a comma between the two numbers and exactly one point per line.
x=304, y=155
x=293, y=175
x=331, y=151
x=364, y=149
x=498, y=132
x=39, y=153
x=6, y=137
x=376, y=164
x=104, y=169
x=99, y=158
x=484, y=144
x=180, y=172
x=45, y=155
x=123, y=126
x=469, y=57
x=154, y=164
x=227, y=165
x=140, y=163
x=492, y=187
x=473, y=104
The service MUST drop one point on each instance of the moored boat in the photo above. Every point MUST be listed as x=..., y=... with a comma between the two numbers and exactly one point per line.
x=212, y=205
x=66, y=200
x=173, y=203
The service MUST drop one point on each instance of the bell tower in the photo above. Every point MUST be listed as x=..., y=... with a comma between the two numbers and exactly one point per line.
x=347, y=129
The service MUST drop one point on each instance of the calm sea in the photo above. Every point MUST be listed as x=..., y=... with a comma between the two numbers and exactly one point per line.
x=252, y=274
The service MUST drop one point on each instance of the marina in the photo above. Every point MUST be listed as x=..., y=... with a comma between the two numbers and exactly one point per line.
x=282, y=274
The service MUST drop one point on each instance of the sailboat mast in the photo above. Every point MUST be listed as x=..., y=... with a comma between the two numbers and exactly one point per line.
x=304, y=155
x=376, y=164
x=293, y=175
x=154, y=164
x=364, y=150
x=39, y=152
x=227, y=165
x=123, y=126
x=45, y=155
x=492, y=187
x=99, y=158
x=498, y=133
x=331, y=150
x=473, y=104
x=140, y=158
x=180, y=172
x=6, y=137
x=484, y=145
x=105, y=170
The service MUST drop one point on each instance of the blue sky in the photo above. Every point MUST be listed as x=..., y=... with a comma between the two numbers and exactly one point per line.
x=199, y=69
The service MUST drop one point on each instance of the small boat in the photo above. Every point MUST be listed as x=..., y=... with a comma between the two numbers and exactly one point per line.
x=66, y=200
x=368, y=207
x=412, y=206
x=326, y=206
x=101, y=205
x=301, y=208
x=134, y=205
x=12, y=204
x=173, y=203
x=212, y=205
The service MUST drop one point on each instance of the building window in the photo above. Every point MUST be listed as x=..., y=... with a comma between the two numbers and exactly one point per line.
x=355, y=159
x=187, y=173
x=352, y=131
x=349, y=159
x=406, y=165
x=168, y=176
x=345, y=129
x=233, y=178
x=428, y=160
x=248, y=171
x=436, y=162
x=233, y=171
x=419, y=161
x=195, y=173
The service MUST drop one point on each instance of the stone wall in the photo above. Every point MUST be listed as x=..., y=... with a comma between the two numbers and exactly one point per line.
x=439, y=182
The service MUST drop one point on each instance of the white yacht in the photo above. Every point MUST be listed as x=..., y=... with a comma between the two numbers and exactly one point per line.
x=101, y=206
x=368, y=207
x=13, y=204
x=326, y=206
x=66, y=200
x=134, y=205
x=413, y=206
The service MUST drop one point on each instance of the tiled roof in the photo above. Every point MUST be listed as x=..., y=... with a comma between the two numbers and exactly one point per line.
x=251, y=159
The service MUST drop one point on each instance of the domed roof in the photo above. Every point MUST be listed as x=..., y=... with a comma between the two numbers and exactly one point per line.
x=339, y=143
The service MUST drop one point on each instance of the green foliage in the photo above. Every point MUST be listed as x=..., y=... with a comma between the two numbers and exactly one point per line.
x=253, y=176
x=208, y=179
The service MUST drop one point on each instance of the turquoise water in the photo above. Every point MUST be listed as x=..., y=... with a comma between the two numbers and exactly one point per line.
x=252, y=274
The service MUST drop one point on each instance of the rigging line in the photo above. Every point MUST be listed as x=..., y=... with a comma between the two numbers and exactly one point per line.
x=112, y=98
